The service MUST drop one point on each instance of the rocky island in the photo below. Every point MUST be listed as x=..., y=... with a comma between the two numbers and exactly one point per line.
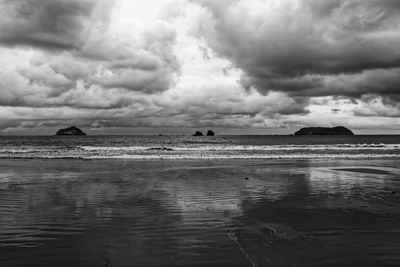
x=339, y=130
x=70, y=131
x=209, y=133
x=198, y=133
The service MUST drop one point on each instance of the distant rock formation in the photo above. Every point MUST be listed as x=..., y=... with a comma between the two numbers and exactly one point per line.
x=210, y=133
x=198, y=133
x=339, y=130
x=70, y=131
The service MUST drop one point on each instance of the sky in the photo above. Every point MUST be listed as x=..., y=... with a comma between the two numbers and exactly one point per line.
x=175, y=66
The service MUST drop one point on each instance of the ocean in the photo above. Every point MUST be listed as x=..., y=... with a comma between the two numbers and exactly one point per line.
x=188, y=147
x=199, y=201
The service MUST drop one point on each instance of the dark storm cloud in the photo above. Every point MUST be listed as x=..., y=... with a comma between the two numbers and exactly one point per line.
x=50, y=24
x=308, y=47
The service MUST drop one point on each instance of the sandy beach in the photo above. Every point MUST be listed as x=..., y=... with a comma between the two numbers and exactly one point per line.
x=199, y=213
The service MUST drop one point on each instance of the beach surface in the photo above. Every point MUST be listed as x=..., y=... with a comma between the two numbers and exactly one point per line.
x=335, y=212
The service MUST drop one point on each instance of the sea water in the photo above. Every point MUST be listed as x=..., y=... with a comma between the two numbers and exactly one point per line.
x=200, y=201
x=188, y=147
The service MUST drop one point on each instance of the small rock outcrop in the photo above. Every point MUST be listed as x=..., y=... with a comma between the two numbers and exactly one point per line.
x=339, y=130
x=70, y=131
x=198, y=133
x=210, y=133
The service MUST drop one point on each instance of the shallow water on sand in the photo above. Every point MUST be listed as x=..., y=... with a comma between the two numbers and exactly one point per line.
x=200, y=213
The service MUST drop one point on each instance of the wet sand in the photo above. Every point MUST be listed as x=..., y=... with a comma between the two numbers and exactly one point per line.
x=364, y=170
x=200, y=213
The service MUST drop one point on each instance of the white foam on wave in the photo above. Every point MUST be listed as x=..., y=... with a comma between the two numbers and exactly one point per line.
x=350, y=147
x=112, y=148
x=249, y=156
x=208, y=152
x=25, y=150
x=208, y=156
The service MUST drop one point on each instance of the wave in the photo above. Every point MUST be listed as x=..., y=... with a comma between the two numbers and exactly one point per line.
x=254, y=156
x=248, y=147
x=160, y=149
x=206, y=156
x=205, y=151
x=26, y=150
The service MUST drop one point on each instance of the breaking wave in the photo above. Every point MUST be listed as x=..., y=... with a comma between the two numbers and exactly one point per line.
x=206, y=151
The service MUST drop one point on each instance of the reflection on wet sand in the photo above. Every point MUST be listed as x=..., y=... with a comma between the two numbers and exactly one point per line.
x=165, y=213
x=364, y=170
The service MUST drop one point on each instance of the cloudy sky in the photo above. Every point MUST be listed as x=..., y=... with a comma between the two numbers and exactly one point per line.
x=237, y=66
